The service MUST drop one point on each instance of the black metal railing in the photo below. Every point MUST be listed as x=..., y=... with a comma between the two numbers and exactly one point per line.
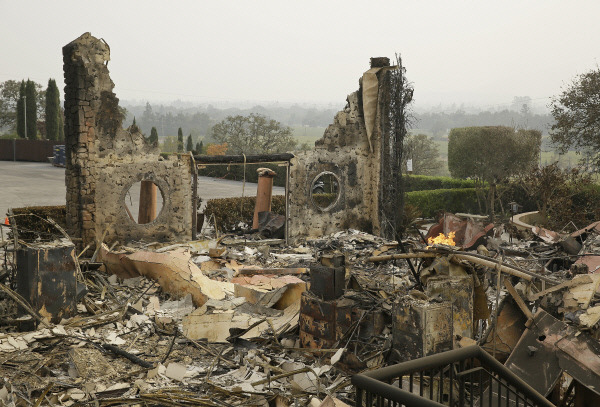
x=457, y=378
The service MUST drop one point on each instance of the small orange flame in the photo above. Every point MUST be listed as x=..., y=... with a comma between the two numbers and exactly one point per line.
x=443, y=239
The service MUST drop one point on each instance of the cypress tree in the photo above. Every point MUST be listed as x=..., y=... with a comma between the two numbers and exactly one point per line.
x=134, y=127
x=190, y=144
x=180, y=141
x=198, y=148
x=153, y=139
x=21, y=111
x=31, y=109
x=201, y=149
x=52, y=111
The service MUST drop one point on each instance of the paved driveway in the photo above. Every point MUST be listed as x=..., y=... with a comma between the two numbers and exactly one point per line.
x=28, y=184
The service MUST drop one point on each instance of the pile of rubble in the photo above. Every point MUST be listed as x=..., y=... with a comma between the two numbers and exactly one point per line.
x=234, y=321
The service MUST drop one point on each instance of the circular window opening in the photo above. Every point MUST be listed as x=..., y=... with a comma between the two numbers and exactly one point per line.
x=144, y=201
x=325, y=190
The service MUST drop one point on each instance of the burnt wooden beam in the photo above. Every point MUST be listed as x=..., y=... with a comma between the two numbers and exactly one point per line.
x=239, y=159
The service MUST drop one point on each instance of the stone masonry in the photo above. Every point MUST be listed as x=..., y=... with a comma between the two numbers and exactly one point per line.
x=104, y=160
x=346, y=151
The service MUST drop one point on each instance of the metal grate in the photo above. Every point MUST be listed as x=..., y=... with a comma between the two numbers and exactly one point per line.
x=457, y=378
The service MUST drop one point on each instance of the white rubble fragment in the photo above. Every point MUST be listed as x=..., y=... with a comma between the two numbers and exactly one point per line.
x=200, y=259
x=591, y=317
x=153, y=305
x=138, y=306
x=59, y=330
x=314, y=402
x=142, y=385
x=293, y=256
x=178, y=309
x=321, y=370
x=176, y=371
x=237, y=301
x=194, y=371
x=138, y=320
x=76, y=394
x=114, y=339
x=4, y=395
x=337, y=356
x=306, y=381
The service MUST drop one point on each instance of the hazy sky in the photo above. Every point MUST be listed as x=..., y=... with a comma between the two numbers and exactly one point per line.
x=473, y=52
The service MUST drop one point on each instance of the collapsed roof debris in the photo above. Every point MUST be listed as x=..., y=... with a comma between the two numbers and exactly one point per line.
x=198, y=322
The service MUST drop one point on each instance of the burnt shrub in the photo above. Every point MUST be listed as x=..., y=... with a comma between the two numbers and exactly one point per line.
x=229, y=212
x=32, y=223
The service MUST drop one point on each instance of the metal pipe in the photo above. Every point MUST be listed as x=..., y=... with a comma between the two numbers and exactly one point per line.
x=467, y=256
x=248, y=159
x=287, y=204
x=194, y=198
x=264, y=192
x=147, y=207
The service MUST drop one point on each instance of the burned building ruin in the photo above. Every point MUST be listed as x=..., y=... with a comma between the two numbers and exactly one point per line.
x=158, y=316
x=352, y=179
x=104, y=160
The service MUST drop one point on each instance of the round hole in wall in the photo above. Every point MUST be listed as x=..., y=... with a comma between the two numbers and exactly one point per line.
x=325, y=190
x=144, y=202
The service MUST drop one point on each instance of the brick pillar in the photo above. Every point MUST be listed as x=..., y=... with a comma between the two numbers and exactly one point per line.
x=88, y=95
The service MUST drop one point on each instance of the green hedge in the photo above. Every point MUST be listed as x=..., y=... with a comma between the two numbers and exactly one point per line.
x=449, y=200
x=229, y=212
x=425, y=182
x=236, y=172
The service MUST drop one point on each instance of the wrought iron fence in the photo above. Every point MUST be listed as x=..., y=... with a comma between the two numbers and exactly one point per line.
x=457, y=378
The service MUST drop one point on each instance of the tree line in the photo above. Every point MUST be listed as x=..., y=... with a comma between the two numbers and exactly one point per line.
x=199, y=119
x=29, y=111
x=252, y=134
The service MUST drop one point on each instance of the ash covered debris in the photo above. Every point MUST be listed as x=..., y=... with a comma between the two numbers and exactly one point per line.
x=295, y=323
x=134, y=338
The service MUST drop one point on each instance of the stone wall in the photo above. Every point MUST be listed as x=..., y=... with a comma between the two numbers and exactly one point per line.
x=345, y=151
x=104, y=160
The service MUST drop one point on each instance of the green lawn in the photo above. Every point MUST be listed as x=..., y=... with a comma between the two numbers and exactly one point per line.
x=309, y=135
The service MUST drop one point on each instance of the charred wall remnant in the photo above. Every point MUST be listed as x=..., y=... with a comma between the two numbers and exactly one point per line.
x=47, y=279
x=104, y=160
x=352, y=179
